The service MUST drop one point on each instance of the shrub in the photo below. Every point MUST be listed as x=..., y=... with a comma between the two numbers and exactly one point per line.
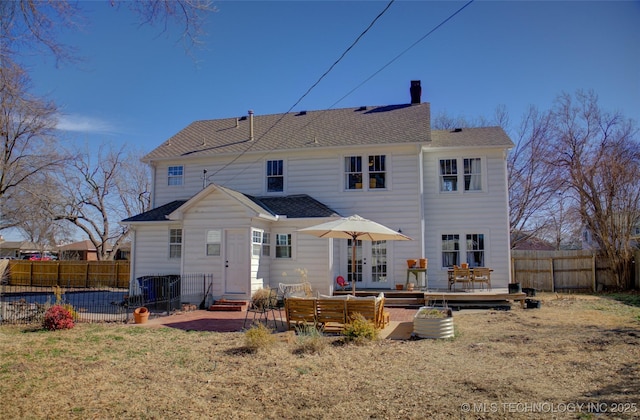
x=58, y=318
x=259, y=337
x=360, y=330
x=310, y=340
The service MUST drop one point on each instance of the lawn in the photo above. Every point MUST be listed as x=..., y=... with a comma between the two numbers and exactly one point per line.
x=576, y=357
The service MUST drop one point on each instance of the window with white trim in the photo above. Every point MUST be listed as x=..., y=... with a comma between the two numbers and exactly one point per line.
x=214, y=242
x=377, y=172
x=475, y=250
x=175, y=243
x=448, y=175
x=353, y=172
x=275, y=176
x=266, y=244
x=283, y=245
x=450, y=250
x=372, y=177
x=175, y=175
x=256, y=243
x=472, y=174
x=470, y=177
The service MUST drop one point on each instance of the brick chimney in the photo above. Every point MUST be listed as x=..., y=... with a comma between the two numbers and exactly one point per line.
x=416, y=92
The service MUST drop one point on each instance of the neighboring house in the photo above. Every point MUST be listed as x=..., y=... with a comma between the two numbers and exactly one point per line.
x=78, y=251
x=86, y=251
x=589, y=242
x=24, y=250
x=229, y=196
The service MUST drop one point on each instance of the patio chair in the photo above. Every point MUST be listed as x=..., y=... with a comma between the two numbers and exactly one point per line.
x=482, y=275
x=461, y=275
x=263, y=302
x=342, y=283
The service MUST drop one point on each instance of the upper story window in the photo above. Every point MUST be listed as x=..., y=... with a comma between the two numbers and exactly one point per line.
x=451, y=178
x=448, y=175
x=376, y=172
x=353, y=172
x=472, y=174
x=175, y=243
x=275, y=176
x=175, y=175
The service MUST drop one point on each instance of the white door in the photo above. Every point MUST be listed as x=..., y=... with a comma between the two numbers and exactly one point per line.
x=371, y=264
x=236, y=254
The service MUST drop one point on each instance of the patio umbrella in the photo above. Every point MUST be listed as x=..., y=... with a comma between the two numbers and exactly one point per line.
x=354, y=228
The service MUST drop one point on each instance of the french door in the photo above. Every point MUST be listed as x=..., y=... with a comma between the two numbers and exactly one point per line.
x=370, y=265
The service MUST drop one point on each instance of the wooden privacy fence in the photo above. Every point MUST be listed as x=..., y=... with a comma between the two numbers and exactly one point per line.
x=561, y=270
x=69, y=273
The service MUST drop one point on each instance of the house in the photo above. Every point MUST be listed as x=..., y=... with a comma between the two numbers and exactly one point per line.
x=25, y=250
x=229, y=196
x=82, y=251
x=86, y=251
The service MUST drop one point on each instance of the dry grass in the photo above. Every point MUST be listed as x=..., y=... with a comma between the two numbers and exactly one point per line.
x=574, y=350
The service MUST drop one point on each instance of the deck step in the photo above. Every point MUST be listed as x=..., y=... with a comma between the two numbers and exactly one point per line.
x=227, y=305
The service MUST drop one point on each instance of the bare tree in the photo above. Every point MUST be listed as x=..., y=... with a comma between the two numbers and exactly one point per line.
x=36, y=25
x=533, y=182
x=599, y=157
x=98, y=194
x=29, y=147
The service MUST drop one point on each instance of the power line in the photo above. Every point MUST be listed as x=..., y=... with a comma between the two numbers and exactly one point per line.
x=402, y=53
x=311, y=88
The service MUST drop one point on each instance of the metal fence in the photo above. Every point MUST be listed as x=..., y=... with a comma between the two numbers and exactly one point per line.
x=99, y=300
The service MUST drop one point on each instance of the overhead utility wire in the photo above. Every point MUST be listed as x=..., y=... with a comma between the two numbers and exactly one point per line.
x=402, y=53
x=310, y=89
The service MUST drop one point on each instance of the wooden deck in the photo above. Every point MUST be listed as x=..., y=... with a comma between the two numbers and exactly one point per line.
x=498, y=298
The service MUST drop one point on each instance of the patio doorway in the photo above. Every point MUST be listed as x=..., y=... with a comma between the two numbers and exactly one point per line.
x=371, y=264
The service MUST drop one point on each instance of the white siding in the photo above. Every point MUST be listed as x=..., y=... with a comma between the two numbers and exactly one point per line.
x=150, y=253
x=463, y=213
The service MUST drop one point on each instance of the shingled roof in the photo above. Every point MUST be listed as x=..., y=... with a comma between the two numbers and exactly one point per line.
x=470, y=137
x=292, y=206
x=159, y=214
x=300, y=130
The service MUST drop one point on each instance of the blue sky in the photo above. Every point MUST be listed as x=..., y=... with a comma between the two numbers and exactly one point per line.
x=137, y=85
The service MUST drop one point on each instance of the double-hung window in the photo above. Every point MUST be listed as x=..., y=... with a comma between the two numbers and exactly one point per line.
x=353, y=172
x=472, y=249
x=472, y=174
x=450, y=250
x=374, y=176
x=475, y=250
x=214, y=241
x=256, y=243
x=448, y=175
x=175, y=243
x=283, y=245
x=275, y=176
x=175, y=175
x=266, y=244
x=377, y=172
x=451, y=177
